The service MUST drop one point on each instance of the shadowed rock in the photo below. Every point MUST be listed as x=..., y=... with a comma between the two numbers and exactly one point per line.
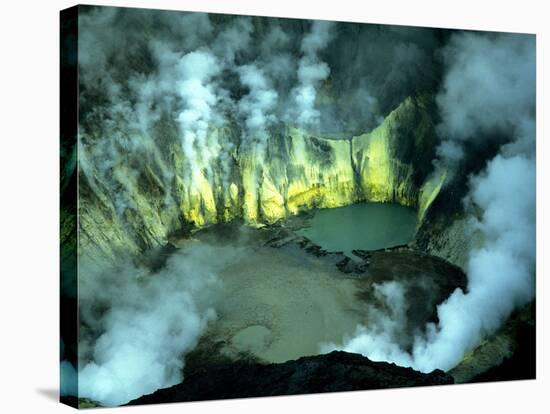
x=337, y=371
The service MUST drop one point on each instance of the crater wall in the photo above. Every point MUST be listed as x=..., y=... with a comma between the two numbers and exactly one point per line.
x=151, y=196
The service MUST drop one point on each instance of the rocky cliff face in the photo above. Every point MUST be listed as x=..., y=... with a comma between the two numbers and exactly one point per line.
x=138, y=199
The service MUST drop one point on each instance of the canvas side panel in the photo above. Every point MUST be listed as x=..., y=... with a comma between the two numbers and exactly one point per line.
x=68, y=205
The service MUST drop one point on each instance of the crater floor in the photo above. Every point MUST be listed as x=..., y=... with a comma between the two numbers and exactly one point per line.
x=287, y=296
x=280, y=304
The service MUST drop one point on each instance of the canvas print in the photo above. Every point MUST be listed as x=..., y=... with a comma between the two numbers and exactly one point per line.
x=259, y=206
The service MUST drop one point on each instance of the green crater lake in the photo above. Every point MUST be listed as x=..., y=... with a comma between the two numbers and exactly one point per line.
x=363, y=226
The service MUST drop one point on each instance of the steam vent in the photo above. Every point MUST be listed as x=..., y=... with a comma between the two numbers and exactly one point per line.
x=259, y=206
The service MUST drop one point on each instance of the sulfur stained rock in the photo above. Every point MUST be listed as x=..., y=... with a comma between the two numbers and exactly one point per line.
x=152, y=194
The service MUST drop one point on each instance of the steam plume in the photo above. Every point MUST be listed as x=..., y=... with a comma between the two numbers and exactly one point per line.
x=488, y=92
x=136, y=326
x=197, y=68
x=311, y=71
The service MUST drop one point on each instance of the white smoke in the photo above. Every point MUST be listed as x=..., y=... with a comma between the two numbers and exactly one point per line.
x=176, y=72
x=488, y=89
x=198, y=94
x=257, y=105
x=500, y=274
x=233, y=39
x=136, y=326
x=311, y=72
x=205, y=101
x=380, y=340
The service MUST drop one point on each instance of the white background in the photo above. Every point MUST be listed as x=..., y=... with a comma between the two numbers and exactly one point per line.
x=29, y=204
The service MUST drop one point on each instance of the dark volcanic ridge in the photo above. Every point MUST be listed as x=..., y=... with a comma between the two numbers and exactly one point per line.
x=333, y=372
